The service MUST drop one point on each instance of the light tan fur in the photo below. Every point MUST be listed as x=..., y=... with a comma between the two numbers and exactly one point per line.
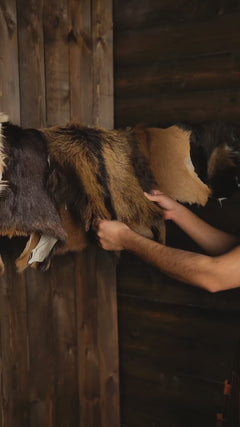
x=22, y=261
x=2, y=267
x=3, y=184
x=168, y=153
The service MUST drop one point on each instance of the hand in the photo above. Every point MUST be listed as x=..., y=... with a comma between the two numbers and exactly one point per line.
x=110, y=234
x=168, y=204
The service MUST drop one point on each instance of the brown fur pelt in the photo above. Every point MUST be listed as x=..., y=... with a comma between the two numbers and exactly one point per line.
x=98, y=174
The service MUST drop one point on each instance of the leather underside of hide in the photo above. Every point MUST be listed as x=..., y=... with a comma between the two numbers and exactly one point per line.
x=168, y=153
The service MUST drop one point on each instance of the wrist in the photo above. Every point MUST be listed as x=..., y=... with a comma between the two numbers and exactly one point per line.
x=175, y=213
x=126, y=236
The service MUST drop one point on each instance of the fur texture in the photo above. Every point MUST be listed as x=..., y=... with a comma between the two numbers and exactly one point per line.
x=101, y=174
x=215, y=153
x=25, y=206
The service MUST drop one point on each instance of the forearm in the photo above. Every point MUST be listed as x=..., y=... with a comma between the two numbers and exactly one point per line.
x=210, y=239
x=195, y=269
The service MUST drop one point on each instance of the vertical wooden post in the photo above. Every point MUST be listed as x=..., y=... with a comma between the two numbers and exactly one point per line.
x=31, y=63
x=56, y=61
x=91, y=88
x=103, y=62
x=97, y=338
x=9, y=79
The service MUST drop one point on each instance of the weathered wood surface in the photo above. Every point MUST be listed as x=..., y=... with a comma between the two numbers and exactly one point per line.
x=139, y=13
x=97, y=338
x=184, y=337
x=9, y=75
x=81, y=64
x=64, y=72
x=56, y=61
x=103, y=63
x=31, y=63
x=177, y=61
x=174, y=360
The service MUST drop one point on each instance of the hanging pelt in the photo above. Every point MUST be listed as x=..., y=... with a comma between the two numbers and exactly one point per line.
x=76, y=173
x=25, y=205
x=99, y=173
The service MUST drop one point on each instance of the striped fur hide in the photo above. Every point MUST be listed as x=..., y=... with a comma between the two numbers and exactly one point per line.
x=102, y=174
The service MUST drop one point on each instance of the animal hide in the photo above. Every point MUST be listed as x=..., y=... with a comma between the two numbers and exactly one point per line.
x=215, y=153
x=93, y=174
x=102, y=174
x=25, y=205
x=168, y=153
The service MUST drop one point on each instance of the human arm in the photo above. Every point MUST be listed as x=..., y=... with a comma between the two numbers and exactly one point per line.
x=210, y=273
x=210, y=239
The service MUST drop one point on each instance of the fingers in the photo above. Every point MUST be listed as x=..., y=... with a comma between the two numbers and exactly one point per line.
x=153, y=195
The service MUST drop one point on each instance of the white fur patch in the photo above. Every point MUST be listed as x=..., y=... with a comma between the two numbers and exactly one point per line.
x=3, y=118
x=42, y=249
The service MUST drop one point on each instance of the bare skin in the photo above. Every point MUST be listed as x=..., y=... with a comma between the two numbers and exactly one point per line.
x=217, y=271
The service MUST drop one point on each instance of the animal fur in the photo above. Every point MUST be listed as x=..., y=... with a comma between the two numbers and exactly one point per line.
x=168, y=153
x=95, y=173
x=102, y=174
x=25, y=205
x=215, y=153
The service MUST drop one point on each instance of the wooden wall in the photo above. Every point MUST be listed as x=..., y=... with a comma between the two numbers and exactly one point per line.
x=58, y=346
x=176, y=60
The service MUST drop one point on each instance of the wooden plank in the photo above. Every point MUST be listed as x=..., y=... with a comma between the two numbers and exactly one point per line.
x=147, y=404
x=108, y=339
x=41, y=351
x=31, y=63
x=81, y=61
x=9, y=72
x=184, y=367
x=188, y=40
x=170, y=108
x=57, y=62
x=140, y=13
x=102, y=62
x=88, y=359
x=14, y=350
x=201, y=73
x=97, y=339
x=64, y=338
x=174, y=339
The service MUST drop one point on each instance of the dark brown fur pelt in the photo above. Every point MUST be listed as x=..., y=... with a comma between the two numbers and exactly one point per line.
x=99, y=173
x=215, y=153
x=25, y=205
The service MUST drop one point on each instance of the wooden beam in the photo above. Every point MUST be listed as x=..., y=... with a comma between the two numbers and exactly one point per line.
x=97, y=338
x=31, y=63
x=9, y=71
x=56, y=62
